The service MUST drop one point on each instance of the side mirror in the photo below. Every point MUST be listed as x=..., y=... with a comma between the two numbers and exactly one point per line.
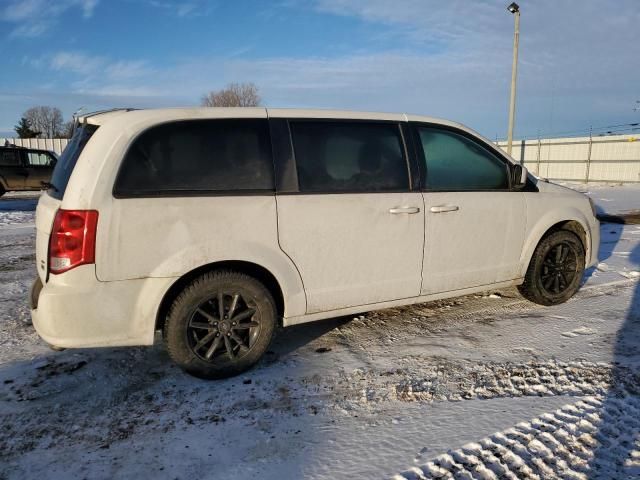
x=519, y=175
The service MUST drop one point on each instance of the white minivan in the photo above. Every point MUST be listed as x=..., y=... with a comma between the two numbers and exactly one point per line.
x=215, y=225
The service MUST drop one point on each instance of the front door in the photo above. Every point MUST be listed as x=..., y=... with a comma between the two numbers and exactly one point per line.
x=354, y=230
x=474, y=222
x=12, y=169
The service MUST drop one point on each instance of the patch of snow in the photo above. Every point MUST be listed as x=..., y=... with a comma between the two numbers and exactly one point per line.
x=16, y=218
x=579, y=331
x=611, y=198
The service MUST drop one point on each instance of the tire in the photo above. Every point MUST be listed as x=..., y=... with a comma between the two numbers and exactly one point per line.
x=208, y=347
x=554, y=276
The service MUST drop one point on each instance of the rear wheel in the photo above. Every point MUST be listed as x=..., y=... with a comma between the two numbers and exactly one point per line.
x=555, y=270
x=220, y=325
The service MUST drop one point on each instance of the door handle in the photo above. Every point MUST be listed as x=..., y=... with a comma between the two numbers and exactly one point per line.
x=444, y=208
x=409, y=210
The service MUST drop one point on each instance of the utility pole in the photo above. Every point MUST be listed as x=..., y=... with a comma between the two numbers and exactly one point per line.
x=515, y=10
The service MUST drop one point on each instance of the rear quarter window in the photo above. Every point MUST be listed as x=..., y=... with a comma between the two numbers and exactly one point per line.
x=198, y=156
x=67, y=161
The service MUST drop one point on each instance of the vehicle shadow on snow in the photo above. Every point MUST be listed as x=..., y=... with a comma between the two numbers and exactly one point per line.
x=72, y=374
x=103, y=399
x=292, y=338
x=612, y=453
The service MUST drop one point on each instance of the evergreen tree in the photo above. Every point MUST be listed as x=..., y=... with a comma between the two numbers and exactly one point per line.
x=23, y=129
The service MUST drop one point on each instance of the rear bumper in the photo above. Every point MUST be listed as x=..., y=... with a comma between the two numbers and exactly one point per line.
x=75, y=310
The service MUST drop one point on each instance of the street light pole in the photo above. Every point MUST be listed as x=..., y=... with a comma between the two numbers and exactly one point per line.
x=515, y=10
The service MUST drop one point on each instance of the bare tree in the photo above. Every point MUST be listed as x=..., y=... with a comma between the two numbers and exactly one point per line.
x=67, y=129
x=233, y=95
x=46, y=120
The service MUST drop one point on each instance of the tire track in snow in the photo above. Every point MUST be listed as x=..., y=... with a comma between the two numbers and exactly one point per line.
x=555, y=445
x=462, y=381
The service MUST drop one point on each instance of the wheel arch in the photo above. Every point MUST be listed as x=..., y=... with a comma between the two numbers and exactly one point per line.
x=574, y=225
x=254, y=270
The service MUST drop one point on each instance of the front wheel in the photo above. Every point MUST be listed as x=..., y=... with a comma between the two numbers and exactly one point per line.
x=555, y=270
x=220, y=325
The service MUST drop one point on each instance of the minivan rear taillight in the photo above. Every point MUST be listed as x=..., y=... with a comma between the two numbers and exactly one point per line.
x=73, y=239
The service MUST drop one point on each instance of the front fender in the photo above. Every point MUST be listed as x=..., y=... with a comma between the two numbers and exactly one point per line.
x=546, y=222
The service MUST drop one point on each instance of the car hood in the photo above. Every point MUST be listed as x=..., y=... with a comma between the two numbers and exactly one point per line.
x=547, y=186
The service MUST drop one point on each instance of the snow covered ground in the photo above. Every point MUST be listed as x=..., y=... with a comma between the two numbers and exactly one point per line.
x=611, y=198
x=484, y=386
x=17, y=209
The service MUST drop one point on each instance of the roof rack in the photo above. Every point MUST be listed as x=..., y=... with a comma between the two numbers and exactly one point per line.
x=100, y=112
x=12, y=145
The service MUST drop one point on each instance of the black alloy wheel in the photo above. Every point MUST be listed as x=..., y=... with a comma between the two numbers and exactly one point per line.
x=225, y=325
x=220, y=324
x=555, y=270
x=559, y=268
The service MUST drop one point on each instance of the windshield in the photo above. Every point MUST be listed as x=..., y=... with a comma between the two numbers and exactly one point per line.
x=67, y=161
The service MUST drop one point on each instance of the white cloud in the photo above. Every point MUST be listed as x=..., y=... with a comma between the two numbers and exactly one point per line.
x=92, y=67
x=76, y=62
x=88, y=6
x=185, y=9
x=181, y=8
x=34, y=18
x=125, y=70
x=21, y=10
x=31, y=30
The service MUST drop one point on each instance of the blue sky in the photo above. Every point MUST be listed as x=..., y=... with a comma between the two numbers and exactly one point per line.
x=578, y=59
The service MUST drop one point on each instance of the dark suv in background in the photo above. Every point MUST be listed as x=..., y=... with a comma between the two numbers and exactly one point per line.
x=25, y=168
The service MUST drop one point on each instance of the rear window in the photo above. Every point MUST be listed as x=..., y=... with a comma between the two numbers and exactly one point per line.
x=198, y=156
x=67, y=161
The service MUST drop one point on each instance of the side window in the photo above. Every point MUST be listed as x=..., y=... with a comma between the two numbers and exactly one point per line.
x=41, y=159
x=454, y=162
x=198, y=155
x=9, y=158
x=349, y=157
